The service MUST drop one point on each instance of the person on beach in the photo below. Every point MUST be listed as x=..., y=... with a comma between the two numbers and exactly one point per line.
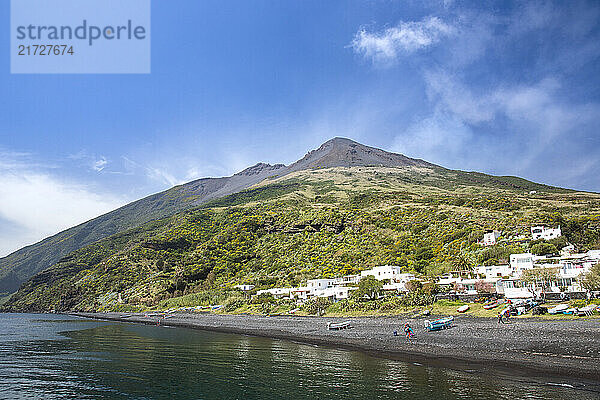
x=500, y=320
x=408, y=331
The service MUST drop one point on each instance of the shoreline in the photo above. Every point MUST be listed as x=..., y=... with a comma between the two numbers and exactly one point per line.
x=528, y=348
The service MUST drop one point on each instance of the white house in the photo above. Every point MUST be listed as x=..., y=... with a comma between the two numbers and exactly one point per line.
x=346, y=280
x=542, y=232
x=244, y=288
x=319, y=284
x=383, y=272
x=514, y=289
x=399, y=282
x=334, y=293
x=448, y=280
x=494, y=271
x=301, y=293
x=276, y=292
x=490, y=238
x=521, y=261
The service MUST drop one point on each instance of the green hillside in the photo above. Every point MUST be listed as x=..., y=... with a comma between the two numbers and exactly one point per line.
x=307, y=224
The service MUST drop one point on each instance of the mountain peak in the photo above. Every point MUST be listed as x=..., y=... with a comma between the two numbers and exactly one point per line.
x=259, y=168
x=344, y=152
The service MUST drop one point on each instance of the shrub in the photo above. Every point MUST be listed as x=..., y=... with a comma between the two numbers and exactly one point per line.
x=263, y=298
x=413, y=285
x=578, y=303
x=542, y=249
x=417, y=298
x=233, y=303
x=317, y=305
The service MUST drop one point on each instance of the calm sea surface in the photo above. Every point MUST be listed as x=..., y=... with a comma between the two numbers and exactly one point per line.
x=58, y=357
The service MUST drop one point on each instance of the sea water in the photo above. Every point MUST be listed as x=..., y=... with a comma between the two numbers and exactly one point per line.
x=61, y=357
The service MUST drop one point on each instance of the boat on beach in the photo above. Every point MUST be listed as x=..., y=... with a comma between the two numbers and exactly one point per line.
x=336, y=326
x=463, y=309
x=559, y=309
x=587, y=311
x=438, y=324
x=491, y=304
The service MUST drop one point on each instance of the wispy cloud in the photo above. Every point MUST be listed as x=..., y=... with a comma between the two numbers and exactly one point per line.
x=387, y=46
x=91, y=161
x=100, y=164
x=508, y=92
x=526, y=129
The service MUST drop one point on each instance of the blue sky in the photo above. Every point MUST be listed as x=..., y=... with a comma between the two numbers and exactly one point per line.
x=502, y=88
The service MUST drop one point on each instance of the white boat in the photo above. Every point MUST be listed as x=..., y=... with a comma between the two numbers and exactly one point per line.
x=587, y=310
x=338, y=325
x=462, y=309
x=559, y=309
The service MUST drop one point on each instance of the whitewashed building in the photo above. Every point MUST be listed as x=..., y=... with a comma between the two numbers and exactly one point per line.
x=491, y=238
x=382, y=273
x=494, y=271
x=276, y=292
x=319, y=284
x=244, y=288
x=542, y=232
x=521, y=261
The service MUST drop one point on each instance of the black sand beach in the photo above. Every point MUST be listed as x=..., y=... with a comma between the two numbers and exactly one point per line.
x=528, y=347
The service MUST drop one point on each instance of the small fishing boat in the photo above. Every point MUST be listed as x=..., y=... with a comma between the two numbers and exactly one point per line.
x=490, y=305
x=559, y=309
x=463, y=309
x=438, y=324
x=587, y=311
x=216, y=307
x=336, y=326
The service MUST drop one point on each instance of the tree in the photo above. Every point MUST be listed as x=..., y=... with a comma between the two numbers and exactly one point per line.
x=541, y=249
x=317, y=305
x=413, y=285
x=591, y=279
x=541, y=277
x=368, y=287
x=463, y=262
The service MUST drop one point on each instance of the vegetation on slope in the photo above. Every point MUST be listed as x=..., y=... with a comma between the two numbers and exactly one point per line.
x=311, y=224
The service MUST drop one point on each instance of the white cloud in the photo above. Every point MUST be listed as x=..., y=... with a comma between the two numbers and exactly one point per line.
x=407, y=37
x=455, y=97
x=35, y=204
x=541, y=130
x=91, y=161
x=100, y=164
x=163, y=176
